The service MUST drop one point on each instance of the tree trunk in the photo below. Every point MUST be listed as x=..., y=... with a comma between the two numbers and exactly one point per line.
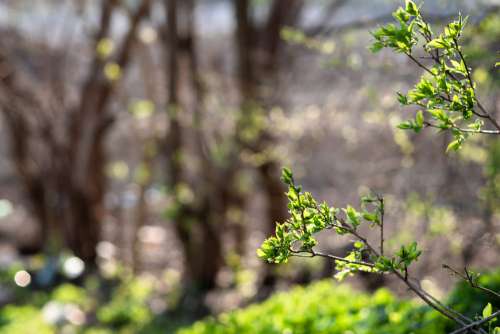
x=67, y=191
x=200, y=239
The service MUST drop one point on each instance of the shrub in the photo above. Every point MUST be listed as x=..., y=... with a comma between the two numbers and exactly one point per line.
x=326, y=308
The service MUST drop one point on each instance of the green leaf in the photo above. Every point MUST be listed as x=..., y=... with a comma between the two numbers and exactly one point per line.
x=411, y=8
x=371, y=217
x=352, y=216
x=437, y=43
x=376, y=46
x=407, y=254
x=419, y=119
x=341, y=275
x=359, y=245
x=459, y=66
x=401, y=15
x=425, y=87
x=403, y=99
x=438, y=114
x=384, y=264
x=487, y=311
x=406, y=125
x=261, y=253
x=454, y=145
x=287, y=176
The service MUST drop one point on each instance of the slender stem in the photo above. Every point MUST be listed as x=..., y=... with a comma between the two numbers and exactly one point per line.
x=449, y=309
x=485, y=113
x=417, y=290
x=482, y=131
x=476, y=323
x=382, y=213
x=436, y=59
x=419, y=64
x=423, y=295
x=469, y=279
x=314, y=253
x=471, y=83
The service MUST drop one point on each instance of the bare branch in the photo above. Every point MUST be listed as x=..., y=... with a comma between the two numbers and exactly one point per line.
x=482, y=131
x=314, y=253
x=469, y=279
x=476, y=323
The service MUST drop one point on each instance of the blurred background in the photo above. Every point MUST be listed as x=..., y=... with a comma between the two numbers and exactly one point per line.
x=141, y=143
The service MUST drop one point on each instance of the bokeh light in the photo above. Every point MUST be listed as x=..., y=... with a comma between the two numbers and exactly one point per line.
x=22, y=278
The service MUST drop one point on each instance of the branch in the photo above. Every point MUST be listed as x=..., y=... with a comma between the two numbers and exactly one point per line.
x=471, y=83
x=469, y=279
x=382, y=213
x=419, y=64
x=363, y=23
x=436, y=57
x=422, y=294
x=449, y=309
x=485, y=113
x=417, y=290
x=428, y=299
x=487, y=132
x=476, y=323
x=314, y=253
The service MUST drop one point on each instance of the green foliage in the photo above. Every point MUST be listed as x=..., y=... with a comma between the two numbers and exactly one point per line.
x=23, y=319
x=127, y=306
x=323, y=308
x=296, y=236
x=69, y=293
x=445, y=95
x=74, y=309
x=319, y=308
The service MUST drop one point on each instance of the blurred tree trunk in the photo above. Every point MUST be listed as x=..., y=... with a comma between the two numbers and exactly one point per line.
x=193, y=218
x=19, y=130
x=92, y=118
x=64, y=177
x=258, y=50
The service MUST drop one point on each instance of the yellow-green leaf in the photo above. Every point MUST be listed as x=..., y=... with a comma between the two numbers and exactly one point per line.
x=454, y=145
x=487, y=311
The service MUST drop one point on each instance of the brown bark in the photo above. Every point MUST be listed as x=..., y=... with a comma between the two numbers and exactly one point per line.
x=64, y=177
x=200, y=238
x=265, y=42
x=89, y=182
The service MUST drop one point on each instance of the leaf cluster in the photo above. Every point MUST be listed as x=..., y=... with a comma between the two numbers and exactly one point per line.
x=445, y=96
x=296, y=236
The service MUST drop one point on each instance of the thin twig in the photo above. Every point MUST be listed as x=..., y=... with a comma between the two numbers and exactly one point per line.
x=381, y=201
x=449, y=309
x=469, y=279
x=419, y=64
x=417, y=290
x=476, y=323
x=482, y=131
x=423, y=295
x=314, y=253
x=471, y=83
x=436, y=58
